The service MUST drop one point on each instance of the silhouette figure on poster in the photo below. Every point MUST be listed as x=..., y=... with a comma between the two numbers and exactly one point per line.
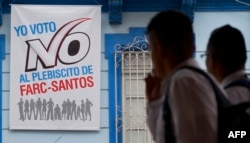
x=68, y=107
x=64, y=111
x=45, y=110
x=73, y=109
x=50, y=109
x=83, y=110
x=57, y=111
x=26, y=110
x=78, y=115
x=20, y=104
x=32, y=109
x=88, y=112
x=38, y=109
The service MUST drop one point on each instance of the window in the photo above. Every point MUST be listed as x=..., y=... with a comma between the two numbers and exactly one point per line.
x=129, y=63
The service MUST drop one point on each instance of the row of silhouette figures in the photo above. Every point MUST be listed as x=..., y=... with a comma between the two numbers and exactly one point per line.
x=47, y=110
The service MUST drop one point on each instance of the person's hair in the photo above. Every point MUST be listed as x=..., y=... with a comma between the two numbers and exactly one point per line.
x=173, y=29
x=227, y=46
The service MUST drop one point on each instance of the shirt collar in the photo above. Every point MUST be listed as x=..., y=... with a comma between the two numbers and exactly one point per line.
x=234, y=76
x=190, y=62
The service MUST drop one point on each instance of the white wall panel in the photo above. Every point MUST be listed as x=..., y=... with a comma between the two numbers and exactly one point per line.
x=5, y=100
x=6, y=63
x=104, y=63
x=248, y=61
x=6, y=81
x=201, y=60
x=206, y=22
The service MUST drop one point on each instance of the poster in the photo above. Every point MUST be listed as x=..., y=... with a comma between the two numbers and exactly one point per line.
x=55, y=67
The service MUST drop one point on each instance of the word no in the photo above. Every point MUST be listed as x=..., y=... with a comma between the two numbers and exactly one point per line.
x=68, y=48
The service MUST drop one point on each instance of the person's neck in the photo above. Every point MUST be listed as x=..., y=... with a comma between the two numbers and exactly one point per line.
x=169, y=67
x=224, y=73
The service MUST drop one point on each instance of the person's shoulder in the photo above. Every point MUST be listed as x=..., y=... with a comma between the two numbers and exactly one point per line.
x=186, y=73
x=192, y=79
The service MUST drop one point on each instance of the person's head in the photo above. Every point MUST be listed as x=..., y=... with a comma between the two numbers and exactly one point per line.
x=226, y=52
x=170, y=36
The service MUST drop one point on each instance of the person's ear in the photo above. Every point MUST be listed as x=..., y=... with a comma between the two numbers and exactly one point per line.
x=162, y=49
x=158, y=48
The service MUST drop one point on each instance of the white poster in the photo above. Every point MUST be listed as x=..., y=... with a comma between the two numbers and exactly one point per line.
x=55, y=67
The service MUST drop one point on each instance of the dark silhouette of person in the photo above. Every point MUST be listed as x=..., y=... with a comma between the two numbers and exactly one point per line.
x=226, y=57
x=26, y=109
x=64, y=111
x=44, y=109
x=73, y=109
x=83, y=110
x=88, y=112
x=50, y=109
x=181, y=105
x=32, y=108
x=20, y=104
x=69, y=106
x=38, y=109
x=57, y=112
x=78, y=115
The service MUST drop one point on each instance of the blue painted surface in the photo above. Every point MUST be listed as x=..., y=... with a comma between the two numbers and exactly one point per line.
x=187, y=7
x=2, y=53
x=150, y=5
x=116, y=7
x=1, y=18
x=220, y=5
x=141, y=5
x=7, y=9
x=115, y=11
x=2, y=46
x=112, y=107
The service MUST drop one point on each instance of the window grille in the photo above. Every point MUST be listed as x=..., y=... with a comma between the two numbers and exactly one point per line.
x=132, y=62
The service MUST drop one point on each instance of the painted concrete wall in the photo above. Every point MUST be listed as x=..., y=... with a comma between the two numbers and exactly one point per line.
x=204, y=23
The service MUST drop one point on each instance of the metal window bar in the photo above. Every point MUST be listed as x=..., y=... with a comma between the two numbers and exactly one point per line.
x=116, y=106
x=135, y=62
